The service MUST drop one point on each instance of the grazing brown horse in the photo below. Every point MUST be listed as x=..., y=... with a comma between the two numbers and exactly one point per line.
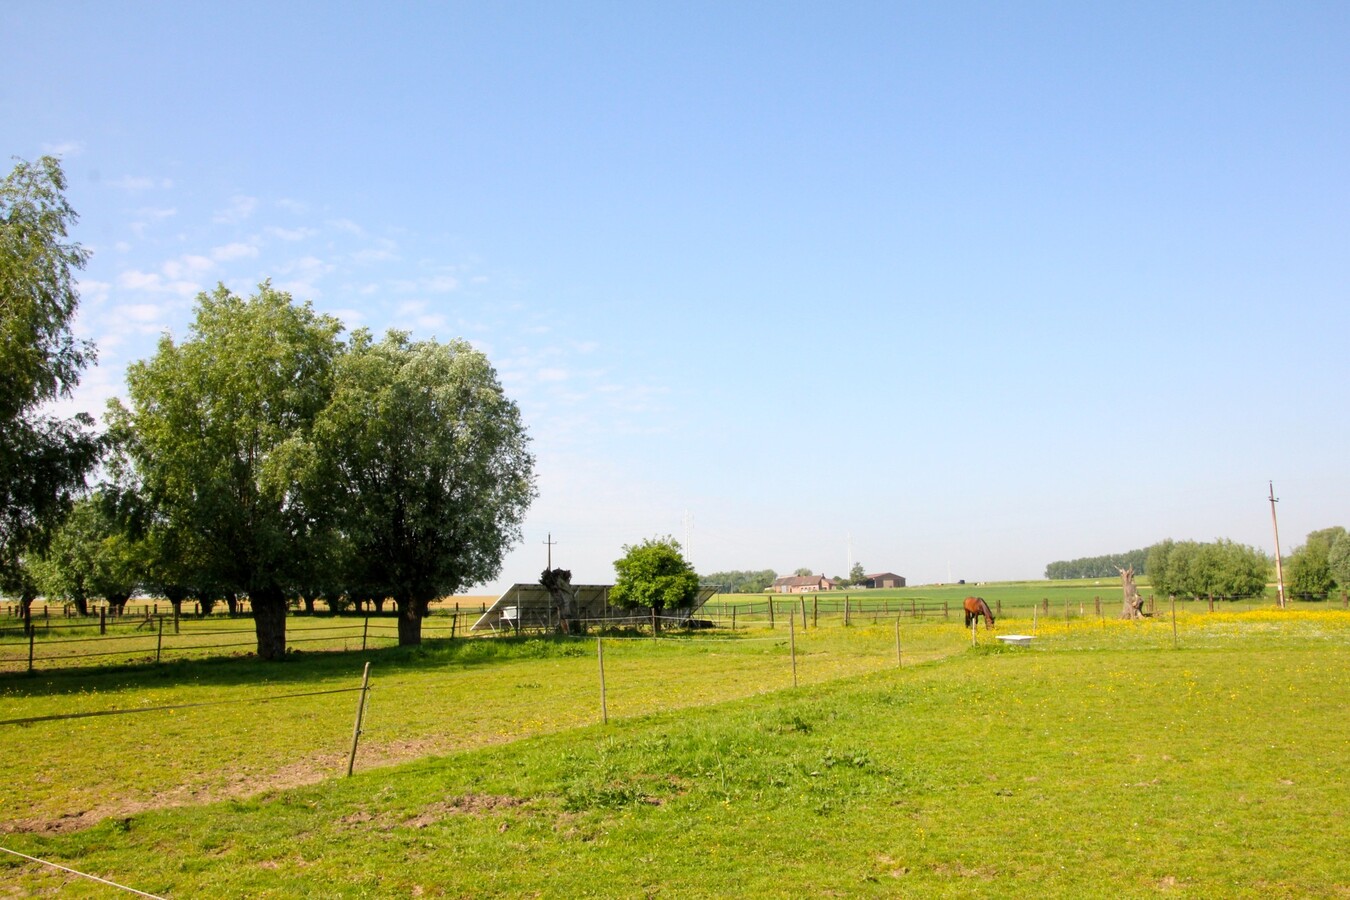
x=976, y=607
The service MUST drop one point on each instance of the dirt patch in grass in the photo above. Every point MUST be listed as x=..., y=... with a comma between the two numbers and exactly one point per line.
x=237, y=786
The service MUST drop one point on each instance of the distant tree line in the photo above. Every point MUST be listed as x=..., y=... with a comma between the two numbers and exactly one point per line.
x=742, y=582
x=1222, y=570
x=1099, y=566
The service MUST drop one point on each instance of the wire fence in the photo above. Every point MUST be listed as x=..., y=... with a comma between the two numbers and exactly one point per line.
x=152, y=633
x=72, y=642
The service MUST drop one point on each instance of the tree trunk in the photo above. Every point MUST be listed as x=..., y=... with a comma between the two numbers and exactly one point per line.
x=232, y=601
x=81, y=605
x=1131, y=605
x=309, y=600
x=269, y=622
x=410, y=615
x=379, y=604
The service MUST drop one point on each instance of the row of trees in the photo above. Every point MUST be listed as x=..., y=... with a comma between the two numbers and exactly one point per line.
x=263, y=456
x=738, y=581
x=1222, y=569
x=1225, y=569
x=1099, y=566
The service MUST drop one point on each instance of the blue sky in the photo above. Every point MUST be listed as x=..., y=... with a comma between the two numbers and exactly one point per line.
x=966, y=288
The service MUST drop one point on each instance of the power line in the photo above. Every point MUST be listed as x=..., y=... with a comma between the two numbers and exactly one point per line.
x=122, y=887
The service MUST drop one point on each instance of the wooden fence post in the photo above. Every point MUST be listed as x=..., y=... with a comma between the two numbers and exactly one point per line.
x=365, y=629
x=792, y=646
x=600, y=655
x=847, y=618
x=803, y=612
x=998, y=603
x=771, y=625
x=815, y=612
x=103, y=620
x=360, y=711
x=899, y=663
x=159, y=639
x=1174, y=623
x=32, y=633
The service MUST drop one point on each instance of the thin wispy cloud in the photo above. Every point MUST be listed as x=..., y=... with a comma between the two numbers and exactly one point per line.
x=233, y=251
x=240, y=208
x=64, y=148
x=153, y=282
x=291, y=234
x=189, y=266
x=345, y=225
x=137, y=183
x=384, y=250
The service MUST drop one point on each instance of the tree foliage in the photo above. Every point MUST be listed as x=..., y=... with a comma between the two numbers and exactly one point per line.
x=738, y=581
x=1108, y=566
x=1222, y=569
x=43, y=459
x=214, y=427
x=1338, y=559
x=1309, y=572
x=654, y=574
x=424, y=464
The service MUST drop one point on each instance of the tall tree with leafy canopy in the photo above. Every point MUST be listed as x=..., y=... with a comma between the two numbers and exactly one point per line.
x=217, y=422
x=1309, y=571
x=426, y=467
x=43, y=459
x=655, y=574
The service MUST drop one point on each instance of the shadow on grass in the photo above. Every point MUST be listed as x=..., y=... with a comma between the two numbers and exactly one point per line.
x=299, y=667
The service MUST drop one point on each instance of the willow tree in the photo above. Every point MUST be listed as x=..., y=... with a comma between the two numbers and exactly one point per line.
x=43, y=458
x=425, y=467
x=213, y=427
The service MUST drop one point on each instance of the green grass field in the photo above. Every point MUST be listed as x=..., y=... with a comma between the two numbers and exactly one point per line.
x=1099, y=762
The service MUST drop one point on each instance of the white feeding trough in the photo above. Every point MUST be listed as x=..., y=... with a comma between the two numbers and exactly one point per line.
x=1017, y=640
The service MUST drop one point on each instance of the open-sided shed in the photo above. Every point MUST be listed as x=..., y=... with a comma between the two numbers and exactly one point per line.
x=529, y=606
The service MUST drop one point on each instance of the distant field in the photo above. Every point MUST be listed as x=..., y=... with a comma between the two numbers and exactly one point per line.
x=1099, y=762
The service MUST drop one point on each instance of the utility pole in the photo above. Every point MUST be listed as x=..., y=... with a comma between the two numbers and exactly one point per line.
x=550, y=542
x=1279, y=565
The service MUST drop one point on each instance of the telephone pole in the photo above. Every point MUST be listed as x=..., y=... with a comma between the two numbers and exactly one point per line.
x=550, y=542
x=1279, y=565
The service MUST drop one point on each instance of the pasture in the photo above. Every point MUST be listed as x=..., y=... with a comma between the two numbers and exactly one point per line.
x=1097, y=762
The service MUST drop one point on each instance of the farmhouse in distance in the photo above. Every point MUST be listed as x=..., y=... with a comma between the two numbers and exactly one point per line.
x=810, y=584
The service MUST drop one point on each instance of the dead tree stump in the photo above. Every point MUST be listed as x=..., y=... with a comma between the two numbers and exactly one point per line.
x=1132, y=604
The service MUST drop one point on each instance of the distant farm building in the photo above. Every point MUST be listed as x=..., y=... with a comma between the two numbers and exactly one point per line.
x=802, y=584
x=883, y=580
